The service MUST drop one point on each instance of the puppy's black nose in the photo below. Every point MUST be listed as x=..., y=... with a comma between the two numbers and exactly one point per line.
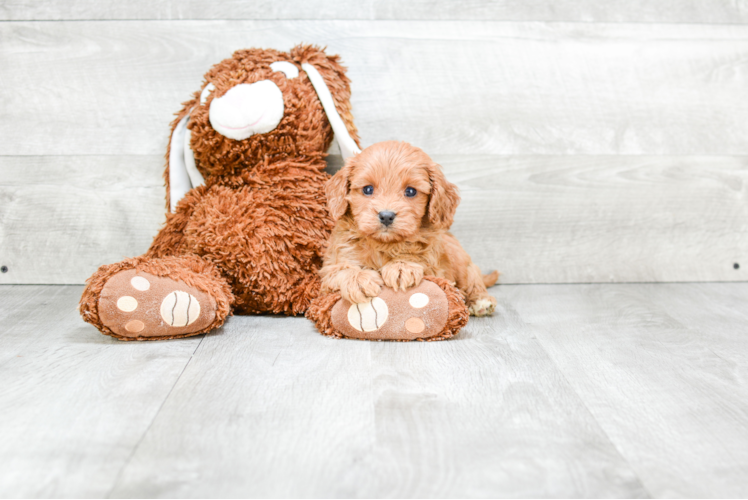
x=386, y=217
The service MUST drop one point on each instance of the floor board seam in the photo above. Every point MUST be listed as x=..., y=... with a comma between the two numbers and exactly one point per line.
x=587, y=409
x=150, y=424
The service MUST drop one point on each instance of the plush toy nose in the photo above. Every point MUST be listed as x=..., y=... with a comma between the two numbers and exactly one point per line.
x=386, y=217
x=247, y=109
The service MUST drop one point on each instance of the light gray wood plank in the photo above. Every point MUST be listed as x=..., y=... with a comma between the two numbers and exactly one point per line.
x=664, y=11
x=452, y=87
x=61, y=217
x=269, y=408
x=19, y=307
x=537, y=219
x=526, y=403
x=74, y=403
x=603, y=219
x=663, y=370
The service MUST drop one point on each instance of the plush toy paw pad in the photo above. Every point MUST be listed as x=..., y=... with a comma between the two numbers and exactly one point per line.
x=127, y=304
x=418, y=313
x=140, y=283
x=134, y=326
x=419, y=300
x=180, y=309
x=368, y=316
x=139, y=304
x=415, y=325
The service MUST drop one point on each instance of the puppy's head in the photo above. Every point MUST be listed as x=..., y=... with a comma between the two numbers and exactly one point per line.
x=392, y=189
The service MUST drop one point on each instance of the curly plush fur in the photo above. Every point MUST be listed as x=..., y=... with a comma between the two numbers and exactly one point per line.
x=254, y=235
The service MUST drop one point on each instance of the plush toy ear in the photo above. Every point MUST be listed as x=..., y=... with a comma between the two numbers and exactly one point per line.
x=183, y=173
x=336, y=190
x=443, y=200
x=348, y=146
x=333, y=89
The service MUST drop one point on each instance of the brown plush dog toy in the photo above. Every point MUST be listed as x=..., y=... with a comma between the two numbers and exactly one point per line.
x=248, y=223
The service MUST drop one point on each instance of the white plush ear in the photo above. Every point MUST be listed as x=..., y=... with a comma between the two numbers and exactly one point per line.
x=347, y=145
x=286, y=68
x=179, y=179
x=183, y=174
x=196, y=178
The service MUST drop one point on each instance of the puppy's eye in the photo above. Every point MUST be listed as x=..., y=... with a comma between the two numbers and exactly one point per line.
x=368, y=190
x=410, y=192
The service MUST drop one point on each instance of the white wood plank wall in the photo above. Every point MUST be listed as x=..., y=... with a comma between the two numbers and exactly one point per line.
x=662, y=11
x=592, y=141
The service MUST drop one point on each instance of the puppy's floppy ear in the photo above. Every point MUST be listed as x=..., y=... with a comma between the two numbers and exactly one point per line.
x=336, y=190
x=443, y=200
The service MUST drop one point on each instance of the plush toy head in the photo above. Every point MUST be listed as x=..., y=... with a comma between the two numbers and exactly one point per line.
x=259, y=106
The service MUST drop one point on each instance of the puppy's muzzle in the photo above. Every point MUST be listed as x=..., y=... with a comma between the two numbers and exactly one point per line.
x=387, y=217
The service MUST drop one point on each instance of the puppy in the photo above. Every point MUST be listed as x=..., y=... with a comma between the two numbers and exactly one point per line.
x=393, y=208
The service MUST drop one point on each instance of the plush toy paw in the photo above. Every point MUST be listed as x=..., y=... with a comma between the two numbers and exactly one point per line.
x=433, y=310
x=139, y=305
x=483, y=307
x=401, y=275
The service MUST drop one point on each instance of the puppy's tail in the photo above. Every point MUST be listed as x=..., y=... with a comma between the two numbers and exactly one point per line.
x=490, y=279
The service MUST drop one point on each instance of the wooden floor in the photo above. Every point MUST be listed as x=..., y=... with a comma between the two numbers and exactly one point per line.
x=607, y=390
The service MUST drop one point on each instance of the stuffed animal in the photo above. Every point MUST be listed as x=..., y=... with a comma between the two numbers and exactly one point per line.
x=433, y=310
x=247, y=221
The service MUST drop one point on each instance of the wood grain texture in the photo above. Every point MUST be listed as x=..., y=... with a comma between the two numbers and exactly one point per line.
x=603, y=219
x=569, y=391
x=665, y=11
x=74, y=403
x=663, y=370
x=61, y=217
x=452, y=87
x=268, y=408
x=537, y=219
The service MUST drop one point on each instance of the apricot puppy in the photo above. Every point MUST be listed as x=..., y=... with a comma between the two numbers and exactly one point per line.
x=393, y=208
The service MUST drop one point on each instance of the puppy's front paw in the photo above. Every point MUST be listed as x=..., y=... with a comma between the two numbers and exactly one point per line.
x=401, y=275
x=484, y=306
x=361, y=286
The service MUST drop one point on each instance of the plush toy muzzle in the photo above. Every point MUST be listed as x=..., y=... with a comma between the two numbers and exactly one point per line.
x=247, y=109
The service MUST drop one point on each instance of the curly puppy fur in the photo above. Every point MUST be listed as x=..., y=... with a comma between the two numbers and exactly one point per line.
x=411, y=240
x=457, y=317
x=260, y=222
